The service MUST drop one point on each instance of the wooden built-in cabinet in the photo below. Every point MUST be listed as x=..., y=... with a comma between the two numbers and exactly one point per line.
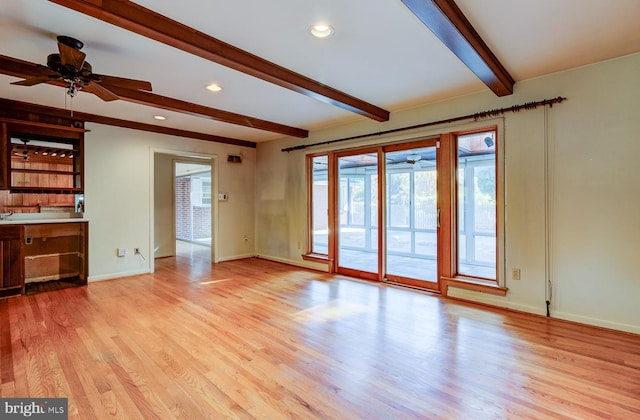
x=11, y=260
x=41, y=171
x=41, y=158
x=55, y=251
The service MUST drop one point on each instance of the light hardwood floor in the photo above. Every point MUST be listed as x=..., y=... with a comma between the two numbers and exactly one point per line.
x=257, y=339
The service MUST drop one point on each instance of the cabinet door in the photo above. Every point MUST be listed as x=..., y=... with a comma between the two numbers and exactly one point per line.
x=12, y=256
x=4, y=157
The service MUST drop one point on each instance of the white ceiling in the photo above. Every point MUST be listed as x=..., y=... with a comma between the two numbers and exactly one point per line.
x=380, y=53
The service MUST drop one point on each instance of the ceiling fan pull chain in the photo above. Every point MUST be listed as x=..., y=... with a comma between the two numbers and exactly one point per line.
x=68, y=107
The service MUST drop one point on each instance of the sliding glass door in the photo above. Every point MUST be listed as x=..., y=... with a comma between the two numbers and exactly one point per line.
x=419, y=212
x=412, y=214
x=407, y=212
x=357, y=214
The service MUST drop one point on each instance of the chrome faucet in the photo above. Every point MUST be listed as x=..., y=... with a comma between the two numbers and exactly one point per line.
x=4, y=216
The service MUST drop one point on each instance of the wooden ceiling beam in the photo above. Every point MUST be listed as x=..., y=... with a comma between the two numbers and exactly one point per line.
x=25, y=107
x=145, y=22
x=445, y=19
x=20, y=68
x=184, y=107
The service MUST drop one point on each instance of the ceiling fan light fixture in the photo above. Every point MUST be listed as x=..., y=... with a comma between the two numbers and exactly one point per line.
x=321, y=30
x=413, y=158
x=489, y=141
x=214, y=87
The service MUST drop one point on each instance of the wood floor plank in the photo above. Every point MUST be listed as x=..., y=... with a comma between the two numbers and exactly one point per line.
x=257, y=339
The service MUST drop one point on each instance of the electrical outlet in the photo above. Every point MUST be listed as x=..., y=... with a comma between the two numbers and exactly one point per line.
x=121, y=252
x=515, y=274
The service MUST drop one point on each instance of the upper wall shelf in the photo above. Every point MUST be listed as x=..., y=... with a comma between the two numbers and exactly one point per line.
x=41, y=158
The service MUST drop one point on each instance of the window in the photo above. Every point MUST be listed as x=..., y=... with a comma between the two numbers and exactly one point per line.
x=319, y=209
x=201, y=191
x=477, y=205
x=435, y=199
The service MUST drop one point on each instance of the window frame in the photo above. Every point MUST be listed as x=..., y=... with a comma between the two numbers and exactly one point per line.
x=453, y=277
x=311, y=254
x=447, y=205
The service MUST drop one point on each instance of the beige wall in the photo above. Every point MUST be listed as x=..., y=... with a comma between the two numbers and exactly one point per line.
x=163, y=204
x=593, y=191
x=119, y=197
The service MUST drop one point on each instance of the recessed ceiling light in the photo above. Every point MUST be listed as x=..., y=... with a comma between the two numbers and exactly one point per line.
x=160, y=117
x=214, y=87
x=321, y=30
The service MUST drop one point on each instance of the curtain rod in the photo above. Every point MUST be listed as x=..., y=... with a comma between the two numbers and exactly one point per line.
x=478, y=115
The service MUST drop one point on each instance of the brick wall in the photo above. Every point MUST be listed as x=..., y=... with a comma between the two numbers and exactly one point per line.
x=184, y=213
x=201, y=222
x=183, y=208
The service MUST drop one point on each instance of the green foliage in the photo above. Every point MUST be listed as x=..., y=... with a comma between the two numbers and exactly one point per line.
x=486, y=184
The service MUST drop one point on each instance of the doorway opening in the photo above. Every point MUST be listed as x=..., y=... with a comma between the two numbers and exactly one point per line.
x=193, y=200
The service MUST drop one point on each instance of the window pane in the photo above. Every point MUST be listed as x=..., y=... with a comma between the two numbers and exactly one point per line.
x=485, y=199
x=356, y=200
x=412, y=214
x=426, y=204
x=206, y=191
x=399, y=241
x=427, y=244
x=357, y=206
x=399, y=199
x=373, y=240
x=320, y=205
x=374, y=200
x=477, y=205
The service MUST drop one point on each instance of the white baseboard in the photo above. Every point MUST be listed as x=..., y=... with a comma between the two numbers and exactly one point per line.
x=488, y=300
x=596, y=322
x=235, y=257
x=112, y=276
x=494, y=301
x=304, y=264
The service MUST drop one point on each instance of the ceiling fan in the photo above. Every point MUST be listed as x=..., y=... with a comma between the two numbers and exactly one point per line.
x=70, y=69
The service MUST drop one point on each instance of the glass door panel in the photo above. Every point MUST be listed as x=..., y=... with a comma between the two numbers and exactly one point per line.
x=412, y=216
x=357, y=201
x=477, y=205
x=320, y=205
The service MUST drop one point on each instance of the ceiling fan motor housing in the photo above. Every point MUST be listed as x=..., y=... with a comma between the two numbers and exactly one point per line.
x=70, y=42
x=69, y=72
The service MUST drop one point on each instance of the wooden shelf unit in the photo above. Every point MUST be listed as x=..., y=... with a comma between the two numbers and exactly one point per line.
x=41, y=158
x=55, y=251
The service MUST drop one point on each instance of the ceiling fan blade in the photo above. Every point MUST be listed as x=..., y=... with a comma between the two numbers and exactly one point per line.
x=70, y=56
x=23, y=69
x=35, y=80
x=100, y=91
x=125, y=83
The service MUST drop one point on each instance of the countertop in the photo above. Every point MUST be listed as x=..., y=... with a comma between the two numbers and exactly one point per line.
x=31, y=221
